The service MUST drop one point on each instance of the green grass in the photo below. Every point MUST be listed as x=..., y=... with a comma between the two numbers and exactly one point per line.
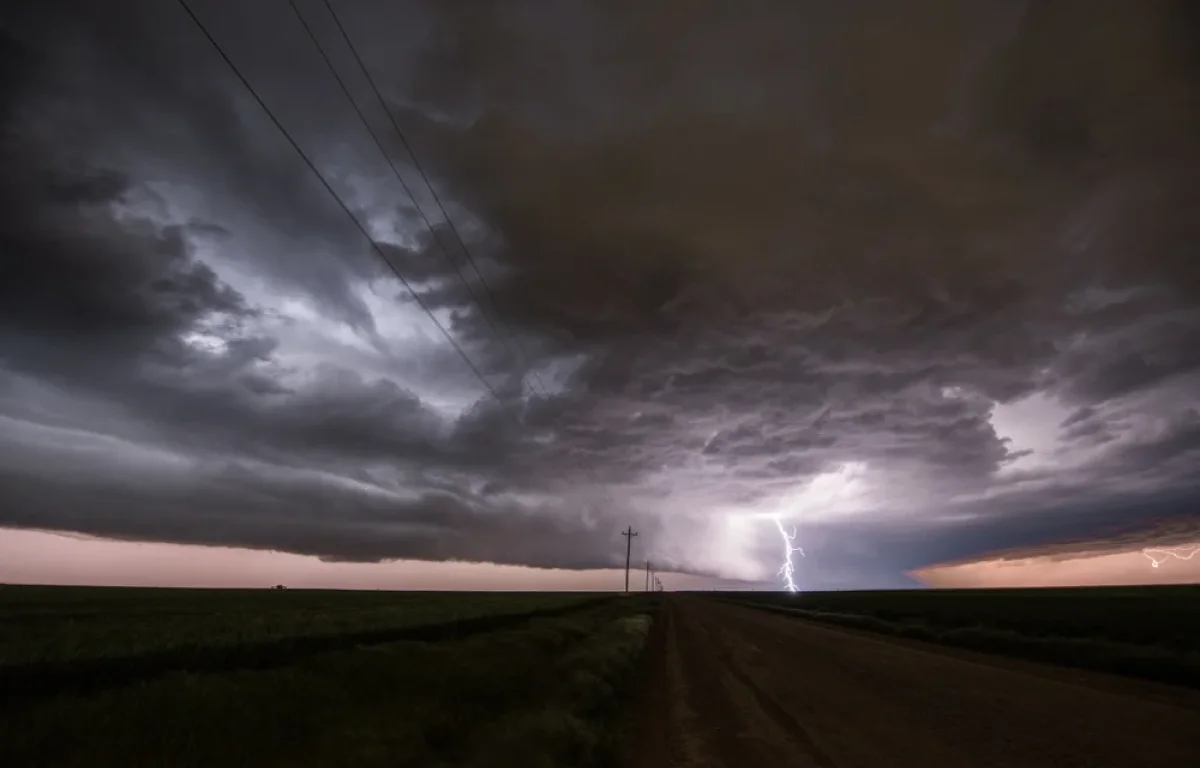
x=540, y=691
x=1147, y=632
x=47, y=624
x=53, y=639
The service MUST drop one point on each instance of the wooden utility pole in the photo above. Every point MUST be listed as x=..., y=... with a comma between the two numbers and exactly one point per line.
x=647, y=575
x=628, y=549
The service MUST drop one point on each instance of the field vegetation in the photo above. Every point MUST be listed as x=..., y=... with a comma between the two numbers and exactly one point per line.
x=59, y=624
x=502, y=679
x=79, y=638
x=1147, y=632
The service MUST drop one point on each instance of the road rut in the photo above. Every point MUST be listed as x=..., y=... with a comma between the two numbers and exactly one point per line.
x=747, y=688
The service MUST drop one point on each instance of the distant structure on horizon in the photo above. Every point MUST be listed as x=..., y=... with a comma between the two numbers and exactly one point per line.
x=278, y=586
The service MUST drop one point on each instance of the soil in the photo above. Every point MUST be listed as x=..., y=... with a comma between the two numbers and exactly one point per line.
x=727, y=685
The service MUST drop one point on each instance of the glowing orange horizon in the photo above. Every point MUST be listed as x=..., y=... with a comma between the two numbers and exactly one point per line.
x=1128, y=567
x=43, y=557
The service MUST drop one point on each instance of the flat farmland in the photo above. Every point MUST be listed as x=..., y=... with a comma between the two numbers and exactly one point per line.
x=243, y=677
x=1168, y=615
x=485, y=680
x=1147, y=632
x=65, y=624
x=54, y=639
x=731, y=684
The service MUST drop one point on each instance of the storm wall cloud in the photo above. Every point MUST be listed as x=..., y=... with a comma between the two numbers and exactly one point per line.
x=923, y=282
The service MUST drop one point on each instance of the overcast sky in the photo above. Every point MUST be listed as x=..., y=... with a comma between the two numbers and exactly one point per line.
x=920, y=279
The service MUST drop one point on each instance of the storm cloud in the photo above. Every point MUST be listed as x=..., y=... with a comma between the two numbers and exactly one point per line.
x=924, y=282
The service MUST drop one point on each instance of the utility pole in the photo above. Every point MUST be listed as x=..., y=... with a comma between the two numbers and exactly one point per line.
x=647, y=575
x=628, y=549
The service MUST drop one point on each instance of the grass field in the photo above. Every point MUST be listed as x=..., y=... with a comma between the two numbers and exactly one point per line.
x=396, y=679
x=60, y=624
x=80, y=638
x=1148, y=632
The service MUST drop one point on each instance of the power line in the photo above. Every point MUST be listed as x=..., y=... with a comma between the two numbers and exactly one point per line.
x=345, y=208
x=375, y=245
x=329, y=188
x=392, y=163
x=540, y=387
x=437, y=199
x=629, y=534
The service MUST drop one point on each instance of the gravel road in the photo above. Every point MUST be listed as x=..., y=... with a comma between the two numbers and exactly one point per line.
x=734, y=686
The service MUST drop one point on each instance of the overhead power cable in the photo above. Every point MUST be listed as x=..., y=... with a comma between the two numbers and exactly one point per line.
x=432, y=190
x=540, y=387
x=329, y=188
x=346, y=209
x=387, y=156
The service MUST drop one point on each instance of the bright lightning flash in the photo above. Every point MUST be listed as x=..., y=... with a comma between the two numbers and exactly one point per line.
x=787, y=570
x=1158, y=556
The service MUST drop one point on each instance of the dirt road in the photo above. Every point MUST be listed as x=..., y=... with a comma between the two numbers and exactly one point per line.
x=733, y=686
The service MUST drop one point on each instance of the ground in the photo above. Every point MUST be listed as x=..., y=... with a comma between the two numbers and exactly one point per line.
x=729, y=685
x=97, y=677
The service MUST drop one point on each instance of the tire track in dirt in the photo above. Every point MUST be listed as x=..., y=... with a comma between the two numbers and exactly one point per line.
x=767, y=704
x=749, y=689
x=716, y=715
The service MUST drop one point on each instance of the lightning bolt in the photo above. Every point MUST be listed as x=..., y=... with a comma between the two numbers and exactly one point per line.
x=1158, y=556
x=787, y=570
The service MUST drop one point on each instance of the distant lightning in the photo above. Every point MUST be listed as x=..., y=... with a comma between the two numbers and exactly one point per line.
x=788, y=570
x=1160, y=555
x=825, y=491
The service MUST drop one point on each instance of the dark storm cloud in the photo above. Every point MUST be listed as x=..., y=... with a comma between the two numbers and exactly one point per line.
x=103, y=304
x=1134, y=358
x=1120, y=525
x=97, y=302
x=142, y=87
x=666, y=202
x=116, y=325
x=100, y=305
x=1096, y=430
x=305, y=512
x=746, y=250
x=752, y=222
x=1174, y=447
x=74, y=273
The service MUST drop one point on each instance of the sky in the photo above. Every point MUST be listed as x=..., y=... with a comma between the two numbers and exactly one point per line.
x=919, y=280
